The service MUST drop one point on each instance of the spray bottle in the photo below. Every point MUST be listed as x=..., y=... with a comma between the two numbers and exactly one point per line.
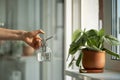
x=44, y=52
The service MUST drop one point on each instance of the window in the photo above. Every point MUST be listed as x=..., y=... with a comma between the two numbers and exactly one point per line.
x=116, y=23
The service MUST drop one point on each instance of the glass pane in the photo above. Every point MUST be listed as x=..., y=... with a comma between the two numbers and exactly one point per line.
x=31, y=15
x=52, y=22
x=116, y=23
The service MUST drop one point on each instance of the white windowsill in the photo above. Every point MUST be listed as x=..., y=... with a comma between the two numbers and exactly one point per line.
x=106, y=75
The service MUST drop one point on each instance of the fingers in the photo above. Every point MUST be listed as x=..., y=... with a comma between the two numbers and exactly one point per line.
x=33, y=39
x=38, y=37
x=39, y=31
x=36, y=32
x=36, y=43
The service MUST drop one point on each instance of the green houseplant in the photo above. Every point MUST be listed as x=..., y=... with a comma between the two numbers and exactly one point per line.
x=93, y=41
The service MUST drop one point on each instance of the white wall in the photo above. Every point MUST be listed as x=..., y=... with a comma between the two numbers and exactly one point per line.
x=76, y=14
x=89, y=14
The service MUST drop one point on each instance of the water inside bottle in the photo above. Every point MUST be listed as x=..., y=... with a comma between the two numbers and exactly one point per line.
x=44, y=55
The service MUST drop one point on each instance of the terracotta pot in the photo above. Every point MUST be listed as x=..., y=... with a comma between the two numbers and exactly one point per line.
x=93, y=61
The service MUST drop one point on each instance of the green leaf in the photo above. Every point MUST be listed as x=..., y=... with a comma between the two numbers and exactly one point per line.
x=112, y=40
x=91, y=33
x=76, y=35
x=93, y=41
x=101, y=32
x=82, y=40
x=73, y=48
x=79, y=59
x=96, y=48
x=112, y=53
x=73, y=51
x=71, y=61
x=75, y=45
x=101, y=42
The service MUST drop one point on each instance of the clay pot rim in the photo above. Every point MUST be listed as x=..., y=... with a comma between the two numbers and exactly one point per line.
x=86, y=49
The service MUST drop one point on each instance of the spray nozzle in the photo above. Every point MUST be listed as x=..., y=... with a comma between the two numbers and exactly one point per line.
x=44, y=44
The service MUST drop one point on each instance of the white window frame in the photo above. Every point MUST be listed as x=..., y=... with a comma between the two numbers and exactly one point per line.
x=107, y=7
x=72, y=22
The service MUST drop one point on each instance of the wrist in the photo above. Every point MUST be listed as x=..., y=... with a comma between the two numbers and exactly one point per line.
x=22, y=35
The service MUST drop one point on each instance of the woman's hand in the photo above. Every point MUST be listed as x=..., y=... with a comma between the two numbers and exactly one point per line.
x=33, y=39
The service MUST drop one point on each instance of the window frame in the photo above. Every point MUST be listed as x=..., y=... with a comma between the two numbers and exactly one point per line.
x=107, y=26
x=115, y=27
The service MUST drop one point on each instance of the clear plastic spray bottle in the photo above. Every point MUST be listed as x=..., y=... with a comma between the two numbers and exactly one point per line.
x=44, y=52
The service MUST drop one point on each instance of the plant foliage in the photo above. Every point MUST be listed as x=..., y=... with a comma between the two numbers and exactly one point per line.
x=91, y=40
